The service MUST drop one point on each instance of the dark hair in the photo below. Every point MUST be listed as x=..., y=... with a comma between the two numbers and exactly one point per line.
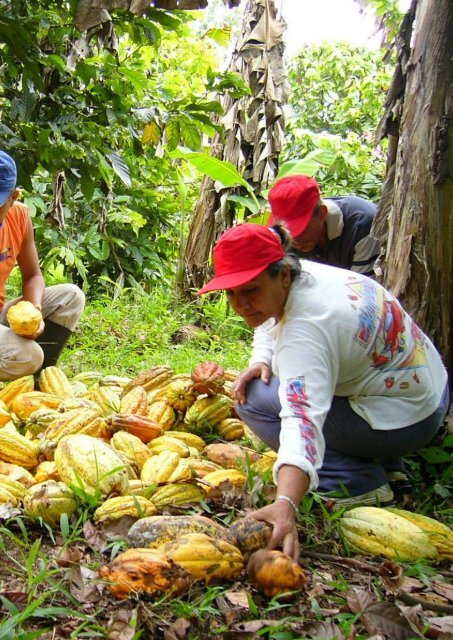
x=290, y=259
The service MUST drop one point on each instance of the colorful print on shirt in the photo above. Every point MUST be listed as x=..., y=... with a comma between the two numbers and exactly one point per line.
x=299, y=403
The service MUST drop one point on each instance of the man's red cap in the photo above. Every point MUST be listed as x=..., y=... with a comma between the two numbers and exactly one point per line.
x=241, y=254
x=292, y=200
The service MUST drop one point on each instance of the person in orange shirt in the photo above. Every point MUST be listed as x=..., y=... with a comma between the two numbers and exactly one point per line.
x=61, y=305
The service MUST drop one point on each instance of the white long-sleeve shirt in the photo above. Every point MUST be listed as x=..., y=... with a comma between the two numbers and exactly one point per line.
x=343, y=334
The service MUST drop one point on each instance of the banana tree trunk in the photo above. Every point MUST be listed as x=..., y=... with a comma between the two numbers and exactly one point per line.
x=416, y=211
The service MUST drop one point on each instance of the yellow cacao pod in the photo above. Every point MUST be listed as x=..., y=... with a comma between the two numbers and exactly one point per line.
x=53, y=380
x=14, y=487
x=215, y=479
x=168, y=443
x=76, y=421
x=205, y=558
x=90, y=464
x=265, y=464
x=177, y=494
x=200, y=468
x=190, y=439
x=47, y=470
x=16, y=449
x=179, y=394
x=161, y=412
x=132, y=448
x=119, y=506
x=25, y=404
x=15, y=388
x=24, y=318
x=206, y=413
x=18, y=473
x=230, y=429
x=108, y=401
x=439, y=534
x=157, y=530
x=134, y=401
x=379, y=532
x=49, y=500
x=5, y=415
x=165, y=467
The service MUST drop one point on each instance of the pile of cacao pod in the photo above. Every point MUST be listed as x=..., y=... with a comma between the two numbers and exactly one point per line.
x=137, y=447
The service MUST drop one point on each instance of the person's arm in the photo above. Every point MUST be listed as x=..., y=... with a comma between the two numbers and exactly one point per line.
x=32, y=279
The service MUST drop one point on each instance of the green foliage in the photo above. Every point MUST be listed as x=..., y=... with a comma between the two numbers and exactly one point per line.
x=337, y=94
x=102, y=122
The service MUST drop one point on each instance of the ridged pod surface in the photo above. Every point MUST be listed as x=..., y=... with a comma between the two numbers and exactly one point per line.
x=165, y=467
x=18, y=473
x=135, y=401
x=179, y=394
x=151, y=379
x=168, y=443
x=91, y=464
x=5, y=415
x=49, y=500
x=15, y=388
x=157, y=530
x=216, y=478
x=266, y=463
x=138, y=425
x=379, y=532
x=14, y=487
x=107, y=400
x=16, y=449
x=208, y=377
x=230, y=429
x=119, y=506
x=47, y=470
x=83, y=421
x=190, y=439
x=206, y=413
x=249, y=534
x=25, y=404
x=132, y=448
x=439, y=534
x=229, y=455
x=145, y=571
x=205, y=558
x=177, y=494
x=200, y=468
x=53, y=380
x=160, y=411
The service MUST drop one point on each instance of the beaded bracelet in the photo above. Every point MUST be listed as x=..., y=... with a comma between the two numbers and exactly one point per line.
x=291, y=502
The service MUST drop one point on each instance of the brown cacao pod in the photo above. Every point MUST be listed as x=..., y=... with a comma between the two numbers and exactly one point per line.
x=24, y=318
x=249, y=534
x=145, y=571
x=138, y=425
x=274, y=573
x=229, y=456
x=208, y=377
x=204, y=557
x=152, y=379
x=157, y=530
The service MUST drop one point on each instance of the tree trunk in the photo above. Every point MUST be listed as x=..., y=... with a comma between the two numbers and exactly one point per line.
x=415, y=217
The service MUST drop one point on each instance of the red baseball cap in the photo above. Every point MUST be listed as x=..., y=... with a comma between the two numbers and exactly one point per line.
x=292, y=200
x=241, y=254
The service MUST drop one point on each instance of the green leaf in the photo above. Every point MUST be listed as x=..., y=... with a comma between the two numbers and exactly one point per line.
x=120, y=167
x=435, y=455
x=220, y=170
x=221, y=36
x=309, y=165
x=172, y=134
x=190, y=133
x=248, y=203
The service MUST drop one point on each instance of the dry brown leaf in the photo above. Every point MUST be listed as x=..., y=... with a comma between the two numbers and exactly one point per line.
x=443, y=589
x=386, y=618
x=359, y=599
x=177, y=630
x=444, y=625
x=119, y=627
x=323, y=631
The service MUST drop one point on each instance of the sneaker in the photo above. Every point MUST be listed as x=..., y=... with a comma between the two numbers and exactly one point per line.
x=380, y=497
x=398, y=477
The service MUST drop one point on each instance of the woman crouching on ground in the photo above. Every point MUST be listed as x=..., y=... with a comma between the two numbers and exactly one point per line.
x=341, y=381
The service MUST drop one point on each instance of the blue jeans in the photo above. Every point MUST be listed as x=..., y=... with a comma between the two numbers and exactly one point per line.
x=357, y=457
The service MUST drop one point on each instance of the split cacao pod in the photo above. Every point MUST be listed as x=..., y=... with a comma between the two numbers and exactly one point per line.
x=274, y=573
x=145, y=571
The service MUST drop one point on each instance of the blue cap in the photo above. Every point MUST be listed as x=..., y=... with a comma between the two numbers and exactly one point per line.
x=8, y=177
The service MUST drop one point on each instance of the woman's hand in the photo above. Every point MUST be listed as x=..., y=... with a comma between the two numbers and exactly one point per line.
x=280, y=515
x=257, y=370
